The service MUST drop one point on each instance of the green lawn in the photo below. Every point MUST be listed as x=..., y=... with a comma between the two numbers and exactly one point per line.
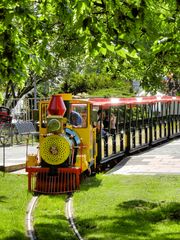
x=107, y=207
x=13, y=203
x=129, y=207
x=49, y=216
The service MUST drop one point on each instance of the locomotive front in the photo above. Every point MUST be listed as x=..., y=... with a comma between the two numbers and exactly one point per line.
x=56, y=146
x=58, y=170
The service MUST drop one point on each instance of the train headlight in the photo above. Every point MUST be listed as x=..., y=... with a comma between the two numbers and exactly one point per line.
x=53, y=125
x=55, y=149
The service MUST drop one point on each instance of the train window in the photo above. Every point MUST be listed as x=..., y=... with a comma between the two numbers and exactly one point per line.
x=146, y=113
x=121, y=118
x=94, y=117
x=175, y=108
x=155, y=110
x=134, y=115
x=128, y=115
x=78, y=115
x=142, y=115
x=178, y=108
x=139, y=116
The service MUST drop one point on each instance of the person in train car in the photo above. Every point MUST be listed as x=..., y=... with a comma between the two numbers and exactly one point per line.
x=75, y=119
x=100, y=124
x=113, y=124
x=106, y=121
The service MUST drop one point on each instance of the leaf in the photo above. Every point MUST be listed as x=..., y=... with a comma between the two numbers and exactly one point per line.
x=133, y=54
x=110, y=47
x=32, y=17
x=103, y=50
x=95, y=52
x=121, y=53
x=81, y=7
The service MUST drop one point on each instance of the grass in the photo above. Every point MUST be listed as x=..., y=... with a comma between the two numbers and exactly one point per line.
x=129, y=207
x=13, y=203
x=49, y=216
x=107, y=207
x=49, y=219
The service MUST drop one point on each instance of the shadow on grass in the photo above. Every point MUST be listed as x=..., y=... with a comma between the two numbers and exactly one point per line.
x=154, y=212
x=59, y=230
x=135, y=219
x=89, y=182
x=3, y=199
x=16, y=236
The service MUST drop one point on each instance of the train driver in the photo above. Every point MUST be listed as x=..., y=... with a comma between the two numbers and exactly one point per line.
x=75, y=119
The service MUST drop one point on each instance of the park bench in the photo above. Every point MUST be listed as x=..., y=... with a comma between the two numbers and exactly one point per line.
x=25, y=128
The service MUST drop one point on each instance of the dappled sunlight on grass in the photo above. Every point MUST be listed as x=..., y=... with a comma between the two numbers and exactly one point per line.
x=132, y=224
x=126, y=207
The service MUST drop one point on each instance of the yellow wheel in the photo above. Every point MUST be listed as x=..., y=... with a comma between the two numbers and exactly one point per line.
x=55, y=149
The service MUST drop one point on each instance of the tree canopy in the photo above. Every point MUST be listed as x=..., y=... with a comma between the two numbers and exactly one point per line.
x=41, y=40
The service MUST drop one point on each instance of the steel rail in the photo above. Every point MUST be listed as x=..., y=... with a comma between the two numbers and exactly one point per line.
x=69, y=216
x=29, y=218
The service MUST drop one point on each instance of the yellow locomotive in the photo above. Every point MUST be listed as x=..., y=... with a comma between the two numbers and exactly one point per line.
x=82, y=135
x=67, y=145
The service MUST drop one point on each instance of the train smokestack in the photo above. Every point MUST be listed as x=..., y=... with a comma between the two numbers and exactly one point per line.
x=56, y=106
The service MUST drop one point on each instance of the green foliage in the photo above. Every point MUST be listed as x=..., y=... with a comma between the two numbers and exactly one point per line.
x=1, y=98
x=160, y=51
x=121, y=91
x=78, y=83
x=97, y=76
x=134, y=39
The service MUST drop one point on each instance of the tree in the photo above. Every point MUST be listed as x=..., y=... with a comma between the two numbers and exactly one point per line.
x=137, y=39
x=29, y=44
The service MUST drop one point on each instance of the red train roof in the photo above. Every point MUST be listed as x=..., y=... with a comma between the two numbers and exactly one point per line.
x=107, y=102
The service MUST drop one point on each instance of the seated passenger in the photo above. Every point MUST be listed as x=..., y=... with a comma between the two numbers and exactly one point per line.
x=113, y=124
x=100, y=125
x=75, y=119
x=106, y=121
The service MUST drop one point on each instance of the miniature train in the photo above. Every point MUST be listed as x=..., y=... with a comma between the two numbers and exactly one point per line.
x=105, y=130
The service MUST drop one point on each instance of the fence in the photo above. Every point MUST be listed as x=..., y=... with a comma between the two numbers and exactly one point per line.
x=24, y=108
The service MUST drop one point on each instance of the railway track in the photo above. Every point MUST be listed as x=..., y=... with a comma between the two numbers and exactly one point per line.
x=69, y=216
x=29, y=217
